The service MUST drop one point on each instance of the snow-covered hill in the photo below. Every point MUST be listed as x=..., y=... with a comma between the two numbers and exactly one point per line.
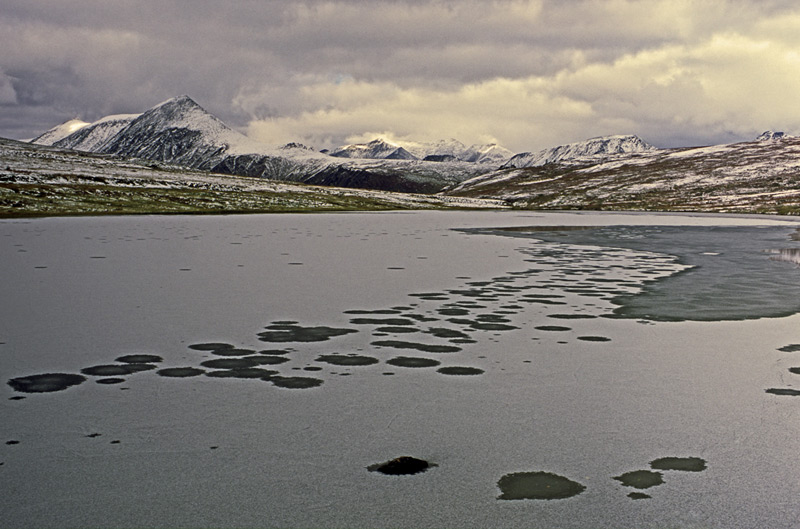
x=59, y=132
x=757, y=176
x=771, y=135
x=375, y=150
x=582, y=151
x=91, y=137
x=45, y=180
x=450, y=150
x=180, y=132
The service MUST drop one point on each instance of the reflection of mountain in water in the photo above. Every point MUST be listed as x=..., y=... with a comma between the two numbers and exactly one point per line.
x=789, y=255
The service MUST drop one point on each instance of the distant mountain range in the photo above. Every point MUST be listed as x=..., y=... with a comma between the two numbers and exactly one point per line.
x=442, y=151
x=180, y=132
x=587, y=150
x=761, y=176
x=611, y=172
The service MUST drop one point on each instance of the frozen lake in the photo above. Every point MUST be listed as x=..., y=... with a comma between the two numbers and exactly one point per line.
x=245, y=371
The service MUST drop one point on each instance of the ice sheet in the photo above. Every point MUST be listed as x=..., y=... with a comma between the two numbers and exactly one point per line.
x=563, y=389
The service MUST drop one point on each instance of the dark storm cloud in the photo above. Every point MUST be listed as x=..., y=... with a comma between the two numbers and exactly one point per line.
x=527, y=73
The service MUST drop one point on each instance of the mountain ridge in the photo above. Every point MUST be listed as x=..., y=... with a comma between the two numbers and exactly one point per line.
x=178, y=131
x=755, y=177
x=592, y=148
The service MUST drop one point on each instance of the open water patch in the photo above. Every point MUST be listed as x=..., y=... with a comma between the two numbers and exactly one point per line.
x=783, y=392
x=229, y=363
x=460, y=371
x=641, y=479
x=46, y=382
x=112, y=370
x=382, y=321
x=376, y=311
x=292, y=332
x=412, y=362
x=348, y=360
x=180, y=372
x=424, y=347
x=109, y=381
x=140, y=359
x=401, y=466
x=242, y=372
x=295, y=382
x=210, y=347
x=684, y=464
x=537, y=486
x=594, y=338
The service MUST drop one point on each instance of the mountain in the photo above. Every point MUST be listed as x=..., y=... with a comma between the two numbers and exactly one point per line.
x=450, y=150
x=770, y=135
x=91, y=137
x=40, y=180
x=375, y=150
x=180, y=132
x=581, y=151
x=59, y=132
x=489, y=153
x=758, y=176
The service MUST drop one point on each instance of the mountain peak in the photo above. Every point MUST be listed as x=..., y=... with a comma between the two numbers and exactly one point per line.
x=771, y=135
x=178, y=101
x=184, y=112
x=378, y=148
x=592, y=148
x=59, y=132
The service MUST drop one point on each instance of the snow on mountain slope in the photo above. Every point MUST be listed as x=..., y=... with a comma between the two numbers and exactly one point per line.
x=757, y=176
x=59, y=132
x=490, y=153
x=180, y=132
x=91, y=137
x=438, y=151
x=581, y=151
x=771, y=135
x=377, y=149
x=45, y=180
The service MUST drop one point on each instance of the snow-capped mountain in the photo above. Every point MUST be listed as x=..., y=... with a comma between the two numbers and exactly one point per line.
x=771, y=135
x=378, y=149
x=59, y=132
x=180, y=132
x=490, y=153
x=450, y=150
x=755, y=176
x=91, y=137
x=591, y=149
x=56, y=181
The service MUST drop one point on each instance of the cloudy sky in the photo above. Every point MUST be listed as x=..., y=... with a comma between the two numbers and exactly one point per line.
x=527, y=74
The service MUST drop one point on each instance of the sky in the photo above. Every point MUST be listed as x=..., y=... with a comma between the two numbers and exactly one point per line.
x=525, y=74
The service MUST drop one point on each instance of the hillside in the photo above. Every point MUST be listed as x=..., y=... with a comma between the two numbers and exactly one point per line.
x=180, y=132
x=38, y=180
x=758, y=176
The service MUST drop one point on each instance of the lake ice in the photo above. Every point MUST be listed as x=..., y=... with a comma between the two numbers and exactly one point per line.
x=247, y=371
